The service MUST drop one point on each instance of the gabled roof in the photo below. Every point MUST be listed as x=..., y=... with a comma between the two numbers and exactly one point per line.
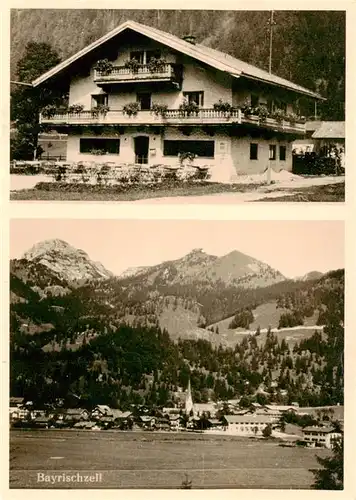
x=330, y=130
x=240, y=419
x=315, y=428
x=214, y=58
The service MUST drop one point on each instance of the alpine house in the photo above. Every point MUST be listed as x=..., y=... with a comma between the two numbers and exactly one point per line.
x=139, y=95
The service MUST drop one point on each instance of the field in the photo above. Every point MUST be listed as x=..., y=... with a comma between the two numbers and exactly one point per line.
x=159, y=460
x=330, y=193
x=266, y=315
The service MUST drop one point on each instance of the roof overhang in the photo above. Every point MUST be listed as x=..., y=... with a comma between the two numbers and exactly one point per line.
x=177, y=44
x=143, y=30
x=301, y=90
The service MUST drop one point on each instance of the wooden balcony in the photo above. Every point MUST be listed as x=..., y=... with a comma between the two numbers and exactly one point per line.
x=173, y=117
x=120, y=74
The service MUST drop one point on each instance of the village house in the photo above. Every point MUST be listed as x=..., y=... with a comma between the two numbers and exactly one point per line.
x=320, y=436
x=140, y=96
x=70, y=416
x=246, y=425
x=18, y=410
x=275, y=411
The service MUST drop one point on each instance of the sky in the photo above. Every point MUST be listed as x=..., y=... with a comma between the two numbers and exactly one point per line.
x=292, y=247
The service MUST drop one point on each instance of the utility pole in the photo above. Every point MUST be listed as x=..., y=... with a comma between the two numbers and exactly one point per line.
x=271, y=23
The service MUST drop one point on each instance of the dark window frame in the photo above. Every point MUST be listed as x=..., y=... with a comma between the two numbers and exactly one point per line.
x=199, y=93
x=144, y=56
x=110, y=145
x=100, y=100
x=253, y=150
x=174, y=147
x=139, y=100
x=282, y=152
x=272, y=152
x=255, y=99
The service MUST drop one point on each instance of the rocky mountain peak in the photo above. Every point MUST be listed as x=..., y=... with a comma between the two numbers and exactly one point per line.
x=67, y=262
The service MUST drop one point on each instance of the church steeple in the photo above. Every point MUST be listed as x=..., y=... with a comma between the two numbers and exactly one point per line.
x=189, y=405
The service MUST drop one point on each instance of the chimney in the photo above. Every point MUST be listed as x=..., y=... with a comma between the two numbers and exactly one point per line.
x=190, y=39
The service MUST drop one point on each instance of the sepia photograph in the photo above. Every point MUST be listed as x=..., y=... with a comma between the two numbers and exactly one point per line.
x=176, y=354
x=177, y=106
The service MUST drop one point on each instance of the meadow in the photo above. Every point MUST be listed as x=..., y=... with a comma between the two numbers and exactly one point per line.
x=158, y=460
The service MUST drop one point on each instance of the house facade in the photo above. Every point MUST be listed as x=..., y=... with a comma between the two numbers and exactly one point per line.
x=140, y=96
x=320, y=436
x=246, y=425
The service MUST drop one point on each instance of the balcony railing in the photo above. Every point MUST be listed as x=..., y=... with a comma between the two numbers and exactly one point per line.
x=122, y=74
x=172, y=117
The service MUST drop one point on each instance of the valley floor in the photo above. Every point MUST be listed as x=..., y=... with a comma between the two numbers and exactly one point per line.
x=158, y=460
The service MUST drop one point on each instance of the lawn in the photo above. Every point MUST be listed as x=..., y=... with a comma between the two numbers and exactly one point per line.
x=158, y=460
x=328, y=193
x=72, y=192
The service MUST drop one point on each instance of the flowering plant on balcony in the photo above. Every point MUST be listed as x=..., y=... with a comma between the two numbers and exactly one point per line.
x=293, y=118
x=262, y=112
x=103, y=66
x=133, y=65
x=49, y=111
x=188, y=108
x=224, y=107
x=100, y=109
x=131, y=109
x=159, y=109
x=279, y=115
x=156, y=65
x=75, y=108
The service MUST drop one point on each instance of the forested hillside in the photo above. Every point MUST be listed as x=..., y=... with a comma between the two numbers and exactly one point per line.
x=308, y=47
x=106, y=342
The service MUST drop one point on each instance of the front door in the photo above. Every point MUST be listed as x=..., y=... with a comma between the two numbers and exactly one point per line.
x=141, y=149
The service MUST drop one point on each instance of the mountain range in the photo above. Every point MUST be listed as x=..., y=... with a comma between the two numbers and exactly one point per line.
x=187, y=296
x=232, y=325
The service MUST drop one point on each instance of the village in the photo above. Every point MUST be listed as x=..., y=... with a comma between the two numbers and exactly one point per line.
x=292, y=424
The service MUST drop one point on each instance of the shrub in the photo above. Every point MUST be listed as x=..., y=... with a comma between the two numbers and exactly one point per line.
x=267, y=431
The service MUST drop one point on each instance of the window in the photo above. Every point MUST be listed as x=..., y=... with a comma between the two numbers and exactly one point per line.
x=100, y=100
x=144, y=56
x=139, y=55
x=280, y=105
x=197, y=97
x=253, y=151
x=254, y=100
x=144, y=98
x=204, y=149
x=150, y=54
x=269, y=105
x=282, y=153
x=111, y=146
x=272, y=151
